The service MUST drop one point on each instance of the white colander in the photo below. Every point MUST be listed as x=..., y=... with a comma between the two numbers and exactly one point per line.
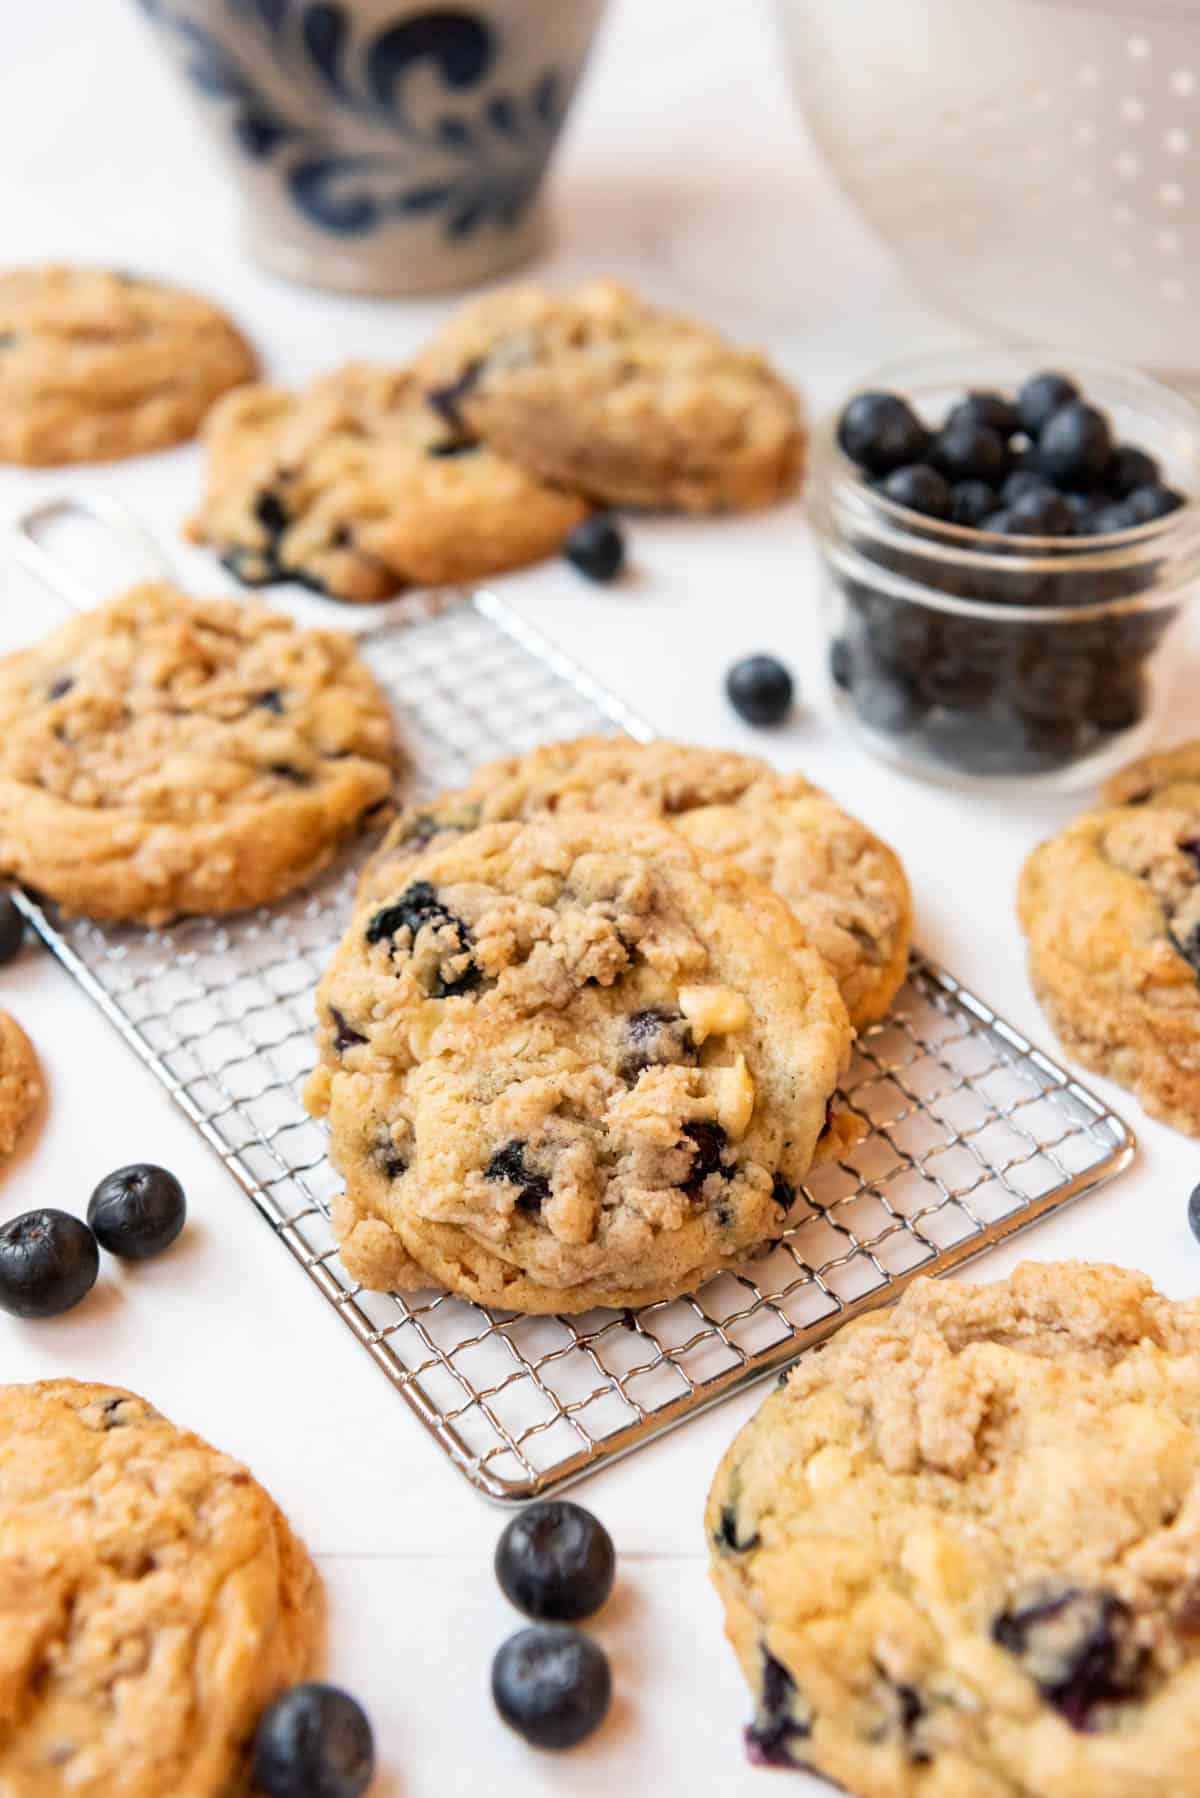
x=1034, y=163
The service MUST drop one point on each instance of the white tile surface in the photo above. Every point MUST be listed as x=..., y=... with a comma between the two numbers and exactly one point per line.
x=685, y=171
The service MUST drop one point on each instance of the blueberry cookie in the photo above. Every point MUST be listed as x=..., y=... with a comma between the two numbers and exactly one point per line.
x=959, y=1548
x=20, y=1082
x=154, y=1599
x=95, y=365
x=1171, y=779
x=162, y=754
x=1111, y=908
x=619, y=400
x=358, y=488
x=846, y=887
x=565, y=1063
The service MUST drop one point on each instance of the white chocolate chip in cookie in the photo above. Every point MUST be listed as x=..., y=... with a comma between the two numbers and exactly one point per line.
x=713, y=1011
x=734, y=1091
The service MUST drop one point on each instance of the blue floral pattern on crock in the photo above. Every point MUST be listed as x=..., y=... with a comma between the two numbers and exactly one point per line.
x=489, y=160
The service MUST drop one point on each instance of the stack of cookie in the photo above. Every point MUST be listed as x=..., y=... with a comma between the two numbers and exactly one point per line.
x=488, y=449
x=1111, y=907
x=580, y=1041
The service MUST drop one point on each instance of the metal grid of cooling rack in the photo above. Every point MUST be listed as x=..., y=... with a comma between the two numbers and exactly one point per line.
x=971, y=1132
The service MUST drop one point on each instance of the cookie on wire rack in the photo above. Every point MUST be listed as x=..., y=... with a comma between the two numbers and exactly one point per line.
x=845, y=885
x=569, y=1063
x=162, y=755
x=155, y=1601
x=959, y=1548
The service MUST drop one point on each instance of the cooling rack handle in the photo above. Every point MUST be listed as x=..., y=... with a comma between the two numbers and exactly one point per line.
x=27, y=542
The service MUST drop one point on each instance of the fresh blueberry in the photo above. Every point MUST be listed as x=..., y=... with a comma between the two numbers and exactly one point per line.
x=997, y=523
x=1118, y=698
x=596, y=548
x=12, y=928
x=1146, y=504
x=880, y=432
x=1075, y=447
x=969, y=452
x=555, y=1562
x=918, y=487
x=1025, y=480
x=137, y=1211
x=886, y=704
x=841, y=663
x=1106, y=521
x=971, y=502
x=1194, y=1213
x=1130, y=469
x=48, y=1262
x=995, y=410
x=1040, y=397
x=314, y=1742
x=1039, y=512
x=552, y=1685
x=760, y=689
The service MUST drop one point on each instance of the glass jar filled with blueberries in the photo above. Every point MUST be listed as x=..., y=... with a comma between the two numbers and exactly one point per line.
x=1009, y=545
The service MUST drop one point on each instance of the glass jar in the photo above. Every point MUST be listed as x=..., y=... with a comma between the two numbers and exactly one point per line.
x=966, y=656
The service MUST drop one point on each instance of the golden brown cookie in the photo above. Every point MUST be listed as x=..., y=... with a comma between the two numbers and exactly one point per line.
x=358, y=488
x=846, y=887
x=96, y=365
x=154, y=1602
x=617, y=399
x=162, y=755
x=1111, y=908
x=570, y=1062
x=21, y=1085
x=959, y=1548
x=1170, y=778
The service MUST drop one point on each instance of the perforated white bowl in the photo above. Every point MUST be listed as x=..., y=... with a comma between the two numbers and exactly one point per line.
x=1034, y=163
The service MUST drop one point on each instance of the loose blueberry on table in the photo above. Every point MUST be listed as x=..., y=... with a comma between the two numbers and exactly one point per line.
x=314, y=1742
x=1194, y=1213
x=596, y=548
x=552, y=1685
x=555, y=1562
x=48, y=1263
x=137, y=1211
x=1000, y=698
x=760, y=690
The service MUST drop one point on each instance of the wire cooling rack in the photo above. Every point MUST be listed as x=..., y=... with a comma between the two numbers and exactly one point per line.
x=972, y=1133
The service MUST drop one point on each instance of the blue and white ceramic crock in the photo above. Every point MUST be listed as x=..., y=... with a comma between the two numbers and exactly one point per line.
x=384, y=146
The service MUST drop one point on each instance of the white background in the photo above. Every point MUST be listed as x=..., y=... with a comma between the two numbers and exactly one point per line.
x=687, y=172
